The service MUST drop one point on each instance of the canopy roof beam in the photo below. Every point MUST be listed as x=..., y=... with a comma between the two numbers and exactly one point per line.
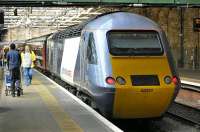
x=43, y=3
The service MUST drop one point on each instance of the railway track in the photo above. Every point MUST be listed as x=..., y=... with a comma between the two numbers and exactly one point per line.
x=185, y=113
x=193, y=87
x=182, y=114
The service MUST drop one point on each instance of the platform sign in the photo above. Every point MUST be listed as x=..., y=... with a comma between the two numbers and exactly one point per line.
x=196, y=24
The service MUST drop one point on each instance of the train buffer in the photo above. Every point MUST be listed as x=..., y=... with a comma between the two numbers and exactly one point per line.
x=47, y=107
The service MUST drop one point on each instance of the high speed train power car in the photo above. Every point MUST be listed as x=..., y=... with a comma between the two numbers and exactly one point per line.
x=119, y=61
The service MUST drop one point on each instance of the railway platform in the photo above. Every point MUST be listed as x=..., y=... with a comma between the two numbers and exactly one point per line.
x=191, y=96
x=190, y=75
x=47, y=107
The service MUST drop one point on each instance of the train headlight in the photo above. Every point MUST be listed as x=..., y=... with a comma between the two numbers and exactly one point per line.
x=167, y=79
x=121, y=80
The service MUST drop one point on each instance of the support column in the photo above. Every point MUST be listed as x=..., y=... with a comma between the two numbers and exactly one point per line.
x=181, y=35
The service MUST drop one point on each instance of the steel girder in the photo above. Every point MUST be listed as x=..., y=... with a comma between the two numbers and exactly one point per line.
x=99, y=2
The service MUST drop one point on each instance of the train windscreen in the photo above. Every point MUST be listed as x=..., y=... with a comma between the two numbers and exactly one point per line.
x=134, y=43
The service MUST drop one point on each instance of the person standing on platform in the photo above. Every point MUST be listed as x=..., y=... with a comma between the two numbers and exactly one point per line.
x=1, y=57
x=28, y=58
x=5, y=56
x=13, y=63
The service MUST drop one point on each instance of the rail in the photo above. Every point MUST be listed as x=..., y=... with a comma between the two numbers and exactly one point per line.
x=190, y=85
x=185, y=112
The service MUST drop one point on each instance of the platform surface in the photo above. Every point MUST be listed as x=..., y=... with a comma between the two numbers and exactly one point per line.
x=44, y=107
x=190, y=75
x=190, y=98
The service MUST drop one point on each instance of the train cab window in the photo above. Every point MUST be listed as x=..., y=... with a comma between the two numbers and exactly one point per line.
x=91, y=50
x=134, y=43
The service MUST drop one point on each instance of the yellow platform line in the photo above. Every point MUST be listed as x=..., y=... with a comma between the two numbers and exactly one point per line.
x=63, y=120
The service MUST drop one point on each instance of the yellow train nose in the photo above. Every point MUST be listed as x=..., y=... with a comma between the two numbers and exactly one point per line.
x=141, y=102
x=147, y=91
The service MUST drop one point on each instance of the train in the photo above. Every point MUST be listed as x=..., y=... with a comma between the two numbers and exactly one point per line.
x=120, y=62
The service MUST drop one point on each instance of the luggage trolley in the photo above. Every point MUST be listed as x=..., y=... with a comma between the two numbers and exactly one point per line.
x=8, y=82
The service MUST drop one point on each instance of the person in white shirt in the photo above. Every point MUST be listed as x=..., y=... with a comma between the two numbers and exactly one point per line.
x=28, y=58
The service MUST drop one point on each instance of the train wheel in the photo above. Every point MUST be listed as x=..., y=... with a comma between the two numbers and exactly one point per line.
x=13, y=94
x=158, y=118
x=18, y=93
x=73, y=91
x=22, y=93
x=93, y=105
x=107, y=115
x=6, y=92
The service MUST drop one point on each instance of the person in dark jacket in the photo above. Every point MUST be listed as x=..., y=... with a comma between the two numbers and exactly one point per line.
x=13, y=63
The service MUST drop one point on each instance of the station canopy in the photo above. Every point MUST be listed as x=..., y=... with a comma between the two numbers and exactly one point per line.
x=94, y=2
x=63, y=13
x=46, y=17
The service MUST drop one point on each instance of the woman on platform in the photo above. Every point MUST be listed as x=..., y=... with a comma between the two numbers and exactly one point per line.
x=28, y=58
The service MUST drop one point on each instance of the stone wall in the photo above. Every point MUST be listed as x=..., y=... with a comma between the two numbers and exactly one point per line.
x=22, y=33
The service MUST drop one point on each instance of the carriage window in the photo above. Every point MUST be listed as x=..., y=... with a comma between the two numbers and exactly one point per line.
x=134, y=43
x=91, y=50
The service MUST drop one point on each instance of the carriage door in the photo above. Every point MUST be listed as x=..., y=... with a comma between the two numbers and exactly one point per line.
x=49, y=55
x=55, y=54
x=83, y=63
x=91, y=60
x=88, y=58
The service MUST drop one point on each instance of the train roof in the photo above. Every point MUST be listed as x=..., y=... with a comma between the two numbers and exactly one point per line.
x=122, y=21
x=75, y=30
x=38, y=39
x=109, y=21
